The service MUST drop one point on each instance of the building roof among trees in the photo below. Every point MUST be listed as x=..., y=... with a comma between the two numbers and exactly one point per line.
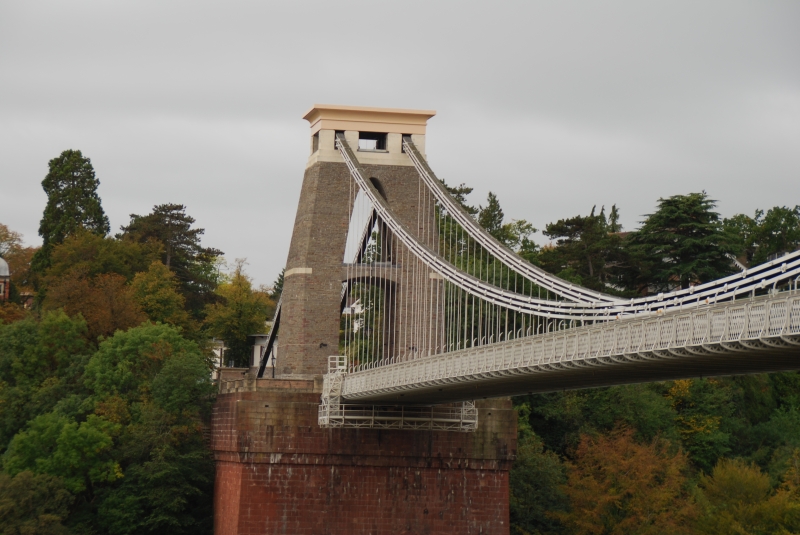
x=4, y=271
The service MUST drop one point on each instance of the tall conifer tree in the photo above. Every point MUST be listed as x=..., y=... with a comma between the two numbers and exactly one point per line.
x=72, y=204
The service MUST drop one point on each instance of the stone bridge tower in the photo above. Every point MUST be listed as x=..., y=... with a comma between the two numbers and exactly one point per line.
x=314, y=270
x=277, y=470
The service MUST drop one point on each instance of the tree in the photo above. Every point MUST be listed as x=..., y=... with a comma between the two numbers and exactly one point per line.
x=72, y=203
x=700, y=406
x=459, y=193
x=9, y=240
x=588, y=249
x=617, y=486
x=778, y=232
x=514, y=235
x=41, y=363
x=742, y=230
x=277, y=287
x=738, y=498
x=105, y=301
x=33, y=504
x=242, y=311
x=158, y=384
x=18, y=258
x=535, y=485
x=156, y=291
x=100, y=255
x=79, y=453
x=126, y=364
x=680, y=244
x=756, y=238
x=193, y=264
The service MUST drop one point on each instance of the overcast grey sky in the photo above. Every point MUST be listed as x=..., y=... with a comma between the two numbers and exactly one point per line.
x=555, y=106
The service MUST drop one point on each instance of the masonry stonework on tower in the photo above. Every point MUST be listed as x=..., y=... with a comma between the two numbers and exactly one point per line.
x=278, y=471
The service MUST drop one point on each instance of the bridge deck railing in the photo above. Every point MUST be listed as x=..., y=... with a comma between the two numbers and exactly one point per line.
x=771, y=321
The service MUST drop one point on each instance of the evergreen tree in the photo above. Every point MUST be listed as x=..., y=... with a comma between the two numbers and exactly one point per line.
x=72, y=203
x=277, y=287
x=588, y=249
x=183, y=254
x=514, y=235
x=491, y=216
x=681, y=243
x=459, y=193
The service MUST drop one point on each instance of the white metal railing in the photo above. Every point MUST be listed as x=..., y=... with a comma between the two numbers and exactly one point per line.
x=334, y=412
x=756, y=326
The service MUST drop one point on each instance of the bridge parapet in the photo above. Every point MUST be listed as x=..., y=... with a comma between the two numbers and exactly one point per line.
x=747, y=336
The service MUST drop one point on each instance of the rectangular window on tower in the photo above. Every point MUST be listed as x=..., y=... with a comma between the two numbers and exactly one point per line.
x=315, y=143
x=371, y=141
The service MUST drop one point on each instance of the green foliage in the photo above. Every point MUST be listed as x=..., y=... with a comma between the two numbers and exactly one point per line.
x=72, y=203
x=561, y=418
x=121, y=430
x=156, y=291
x=193, y=264
x=126, y=364
x=277, y=287
x=705, y=418
x=588, y=250
x=40, y=363
x=778, y=232
x=535, y=483
x=681, y=243
x=79, y=453
x=459, y=193
x=514, y=235
x=33, y=504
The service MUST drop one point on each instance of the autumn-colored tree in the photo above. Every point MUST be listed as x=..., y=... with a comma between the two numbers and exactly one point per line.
x=10, y=312
x=242, y=312
x=23, y=279
x=738, y=498
x=19, y=260
x=95, y=255
x=105, y=301
x=700, y=406
x=617, y=486
x=156, y=291
x=9, y=240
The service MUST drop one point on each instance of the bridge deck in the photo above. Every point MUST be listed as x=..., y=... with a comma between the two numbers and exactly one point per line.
x=750, y=336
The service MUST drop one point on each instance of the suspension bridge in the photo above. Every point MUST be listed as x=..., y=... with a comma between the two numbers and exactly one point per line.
x=399, y=311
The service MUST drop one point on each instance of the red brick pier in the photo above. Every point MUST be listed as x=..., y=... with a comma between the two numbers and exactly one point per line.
x=278, y=472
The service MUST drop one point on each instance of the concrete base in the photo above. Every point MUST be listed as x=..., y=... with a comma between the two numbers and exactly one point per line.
x=279, y=472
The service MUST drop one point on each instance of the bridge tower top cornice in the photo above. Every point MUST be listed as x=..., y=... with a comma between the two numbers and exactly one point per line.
x=367, y=119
